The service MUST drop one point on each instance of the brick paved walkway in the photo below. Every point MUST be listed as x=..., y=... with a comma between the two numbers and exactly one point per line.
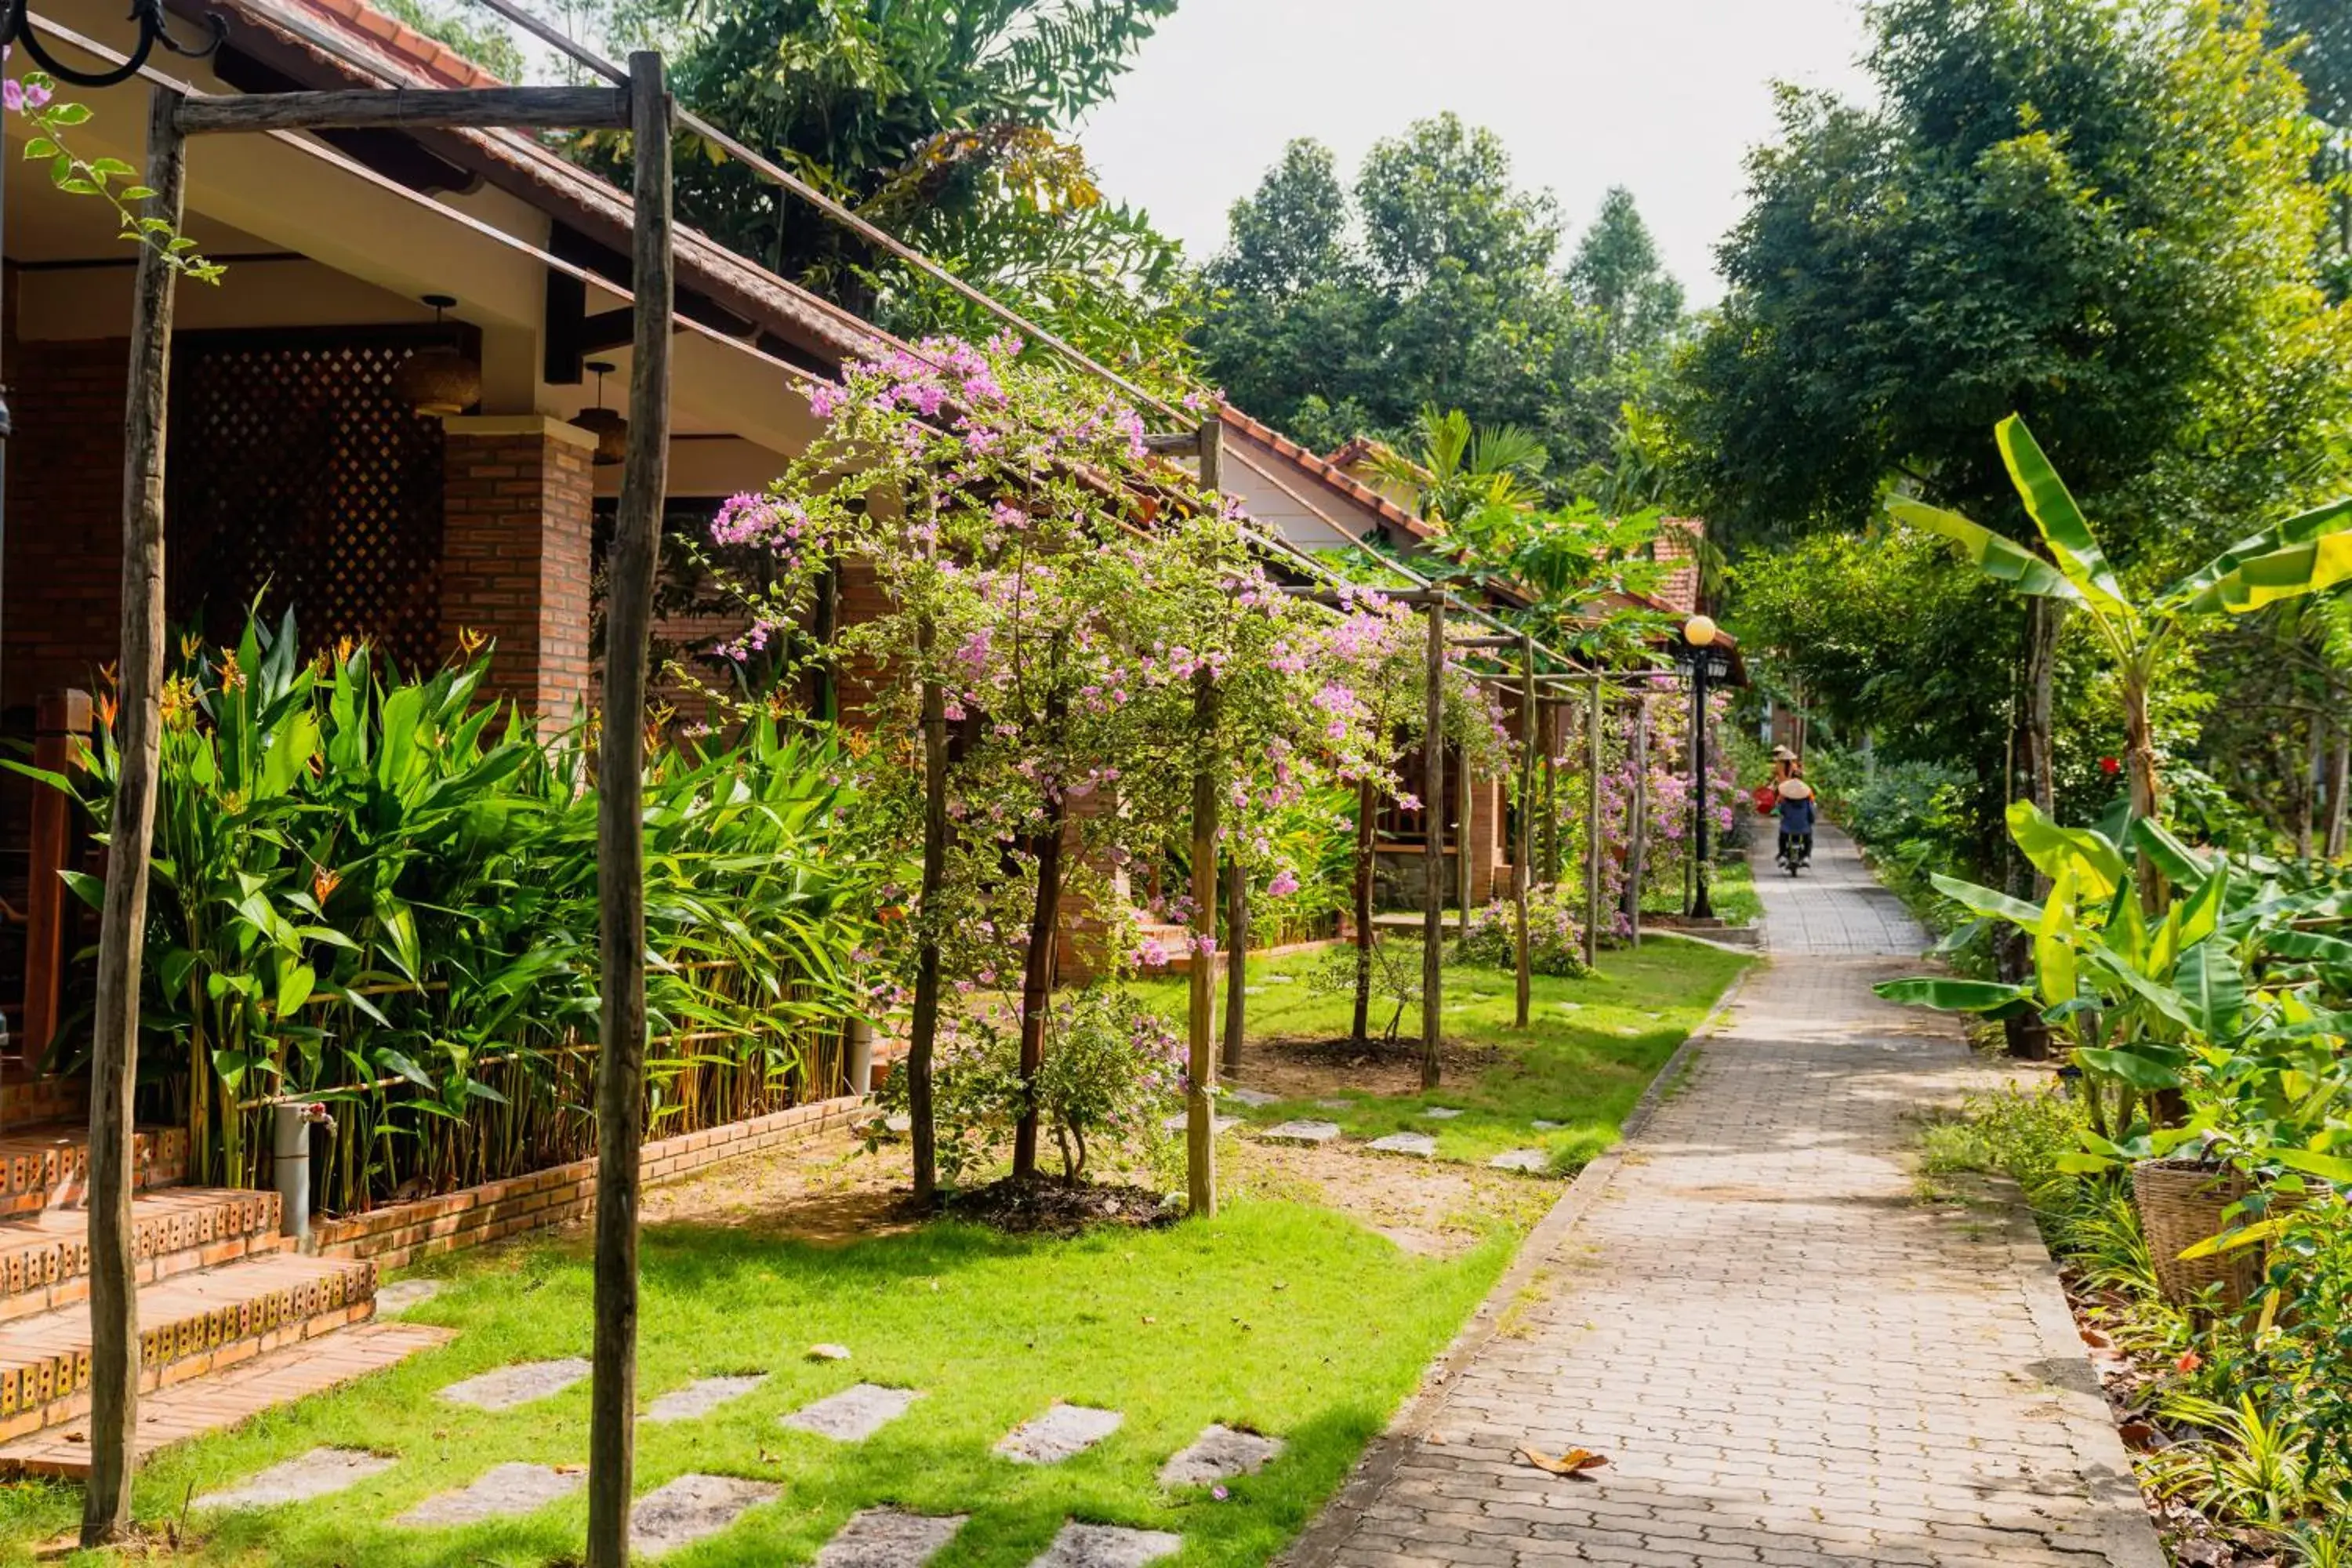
x=1786, y=1357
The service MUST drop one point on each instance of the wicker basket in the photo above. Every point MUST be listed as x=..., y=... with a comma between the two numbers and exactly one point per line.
x=2182, y=1203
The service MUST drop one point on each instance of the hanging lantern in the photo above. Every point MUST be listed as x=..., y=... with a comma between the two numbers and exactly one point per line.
x=612, y=431
x=441, y=379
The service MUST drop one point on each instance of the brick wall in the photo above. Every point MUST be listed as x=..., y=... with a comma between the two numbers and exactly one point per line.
x=517, y=512
x=64, y=606
x=406, y=1232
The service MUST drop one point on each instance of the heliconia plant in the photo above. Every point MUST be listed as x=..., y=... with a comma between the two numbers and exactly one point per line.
x=380, y=892
x=2309, y=553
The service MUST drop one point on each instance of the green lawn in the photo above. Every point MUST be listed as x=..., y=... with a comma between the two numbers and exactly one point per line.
x=1591, y=1047
x=1283, y=1317
x=1731, y=892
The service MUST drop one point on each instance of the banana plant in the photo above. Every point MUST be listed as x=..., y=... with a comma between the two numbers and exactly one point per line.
x=2305, y=554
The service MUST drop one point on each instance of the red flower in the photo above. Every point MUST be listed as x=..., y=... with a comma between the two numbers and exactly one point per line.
x=2189, y=1362
x=2109, y=765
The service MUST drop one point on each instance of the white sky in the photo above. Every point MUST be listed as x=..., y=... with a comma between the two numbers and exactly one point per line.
x=1664, y=96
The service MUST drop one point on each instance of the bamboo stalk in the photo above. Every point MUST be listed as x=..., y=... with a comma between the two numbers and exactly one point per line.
x=620, y=824
x=123, y=922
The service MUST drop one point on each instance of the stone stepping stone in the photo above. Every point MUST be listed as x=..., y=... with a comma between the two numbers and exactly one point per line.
x=1219, y=1455
x=1534, y=1161
x=889, y=1537
x=1419, y=1144
x=701, y=1397
x=1221, y=1124
x=1302, y=1132
x=1335, y=1104
x=499, y=1492
x=1062, y=1433
x=318, y=1473
x=691, y=1507
x=391, y=1300
x=1441, y=1113
x=853, y=1415
x=1108, y=1546
x=517, y=1384
x=1253, y=1097
x=901, y=1124
x=1541, y=1125
x=827, y=1353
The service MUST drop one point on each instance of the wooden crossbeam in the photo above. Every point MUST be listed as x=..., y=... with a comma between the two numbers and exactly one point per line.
x=478, y=108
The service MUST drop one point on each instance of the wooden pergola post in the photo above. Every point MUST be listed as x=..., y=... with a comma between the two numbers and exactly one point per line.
x=1637, y=822
x=1208, y=782
x=923, y=1026
x=1433, y=885
x=122, y=921
x=1592, y=827
x=620, y=826
x=174, y=116
x=1523, y=843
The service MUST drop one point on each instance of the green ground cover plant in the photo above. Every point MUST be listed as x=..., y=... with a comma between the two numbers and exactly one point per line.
x=1289, y=1319
x=1593, y=1045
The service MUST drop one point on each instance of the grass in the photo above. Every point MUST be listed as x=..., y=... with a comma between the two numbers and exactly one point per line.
x=1591, y=1047
x=1731, y=893
x=1283, y=1317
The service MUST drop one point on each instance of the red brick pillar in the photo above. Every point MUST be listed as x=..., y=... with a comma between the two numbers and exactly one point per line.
x=1486, y=846
x=516, y=509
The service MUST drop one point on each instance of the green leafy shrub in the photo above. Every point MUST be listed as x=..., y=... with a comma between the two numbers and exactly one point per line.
x=381, y=893
x=1112, y=1068
x=1555, y=934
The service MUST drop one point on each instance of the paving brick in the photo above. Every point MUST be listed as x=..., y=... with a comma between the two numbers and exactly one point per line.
x=1788, y=1359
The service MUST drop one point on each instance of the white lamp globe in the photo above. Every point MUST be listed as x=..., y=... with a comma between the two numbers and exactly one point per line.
x=1700, y=631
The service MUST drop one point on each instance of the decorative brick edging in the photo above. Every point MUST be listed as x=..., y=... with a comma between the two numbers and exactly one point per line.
x=1321, y=1540
x=404, y=1233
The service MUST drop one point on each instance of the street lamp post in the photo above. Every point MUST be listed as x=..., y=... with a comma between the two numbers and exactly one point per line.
x=1698, y=640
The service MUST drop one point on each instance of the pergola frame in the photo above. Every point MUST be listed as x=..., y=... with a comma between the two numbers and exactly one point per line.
x=644, y=107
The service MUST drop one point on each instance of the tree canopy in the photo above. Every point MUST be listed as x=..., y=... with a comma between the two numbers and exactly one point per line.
x=1434, y=281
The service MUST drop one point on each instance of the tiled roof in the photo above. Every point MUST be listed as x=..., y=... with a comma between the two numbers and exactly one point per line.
x=349, y=43
x=1328, y=473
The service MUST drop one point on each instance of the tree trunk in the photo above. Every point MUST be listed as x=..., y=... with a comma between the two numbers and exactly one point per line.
x=923, y=1027
x=1433, y=887
x=1237, y=941
x=1200, y=1061
x=2339, y=775
x=123, y=920
x=1037, y=982
x=2305, y=799
x=2139, y=748
x=2032, y=779
x=631, y=567
x=1367, y=822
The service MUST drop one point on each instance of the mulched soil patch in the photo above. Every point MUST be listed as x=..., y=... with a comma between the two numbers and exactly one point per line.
x=1049, y=1207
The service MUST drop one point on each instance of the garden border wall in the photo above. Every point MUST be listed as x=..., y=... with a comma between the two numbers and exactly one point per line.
x=402, y=1233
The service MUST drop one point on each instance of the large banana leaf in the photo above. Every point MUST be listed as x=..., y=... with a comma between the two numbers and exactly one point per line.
x=2312, y=567
x=1988, y=902
x=1987, y=998
x=2064, y=527
x=2305, y=528
x=2056, y=971
x=2001, y=559
x=2213, y=987
x=2052, y=848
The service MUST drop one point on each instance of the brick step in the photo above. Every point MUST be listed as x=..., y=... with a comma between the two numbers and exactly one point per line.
x=49, y=1166
x=45, y=1255
x=188, y=1410
x=189, y=1325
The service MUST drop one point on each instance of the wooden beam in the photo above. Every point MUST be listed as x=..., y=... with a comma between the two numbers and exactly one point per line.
x=1493, y=642
x=1174, y=443
x=412, y=108
x=621, y=829
x=122, y=921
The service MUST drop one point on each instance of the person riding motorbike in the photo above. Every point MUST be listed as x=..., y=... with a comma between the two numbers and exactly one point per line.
x=1796, y=803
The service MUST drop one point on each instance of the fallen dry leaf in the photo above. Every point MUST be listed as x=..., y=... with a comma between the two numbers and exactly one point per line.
x=2140, y=1436
x=1575, y=1462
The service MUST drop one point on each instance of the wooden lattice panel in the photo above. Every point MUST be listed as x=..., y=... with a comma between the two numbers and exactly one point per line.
x=296, y=475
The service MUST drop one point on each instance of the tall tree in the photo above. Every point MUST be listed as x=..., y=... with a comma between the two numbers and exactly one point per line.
x=944, y=121
x=1435, y=280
